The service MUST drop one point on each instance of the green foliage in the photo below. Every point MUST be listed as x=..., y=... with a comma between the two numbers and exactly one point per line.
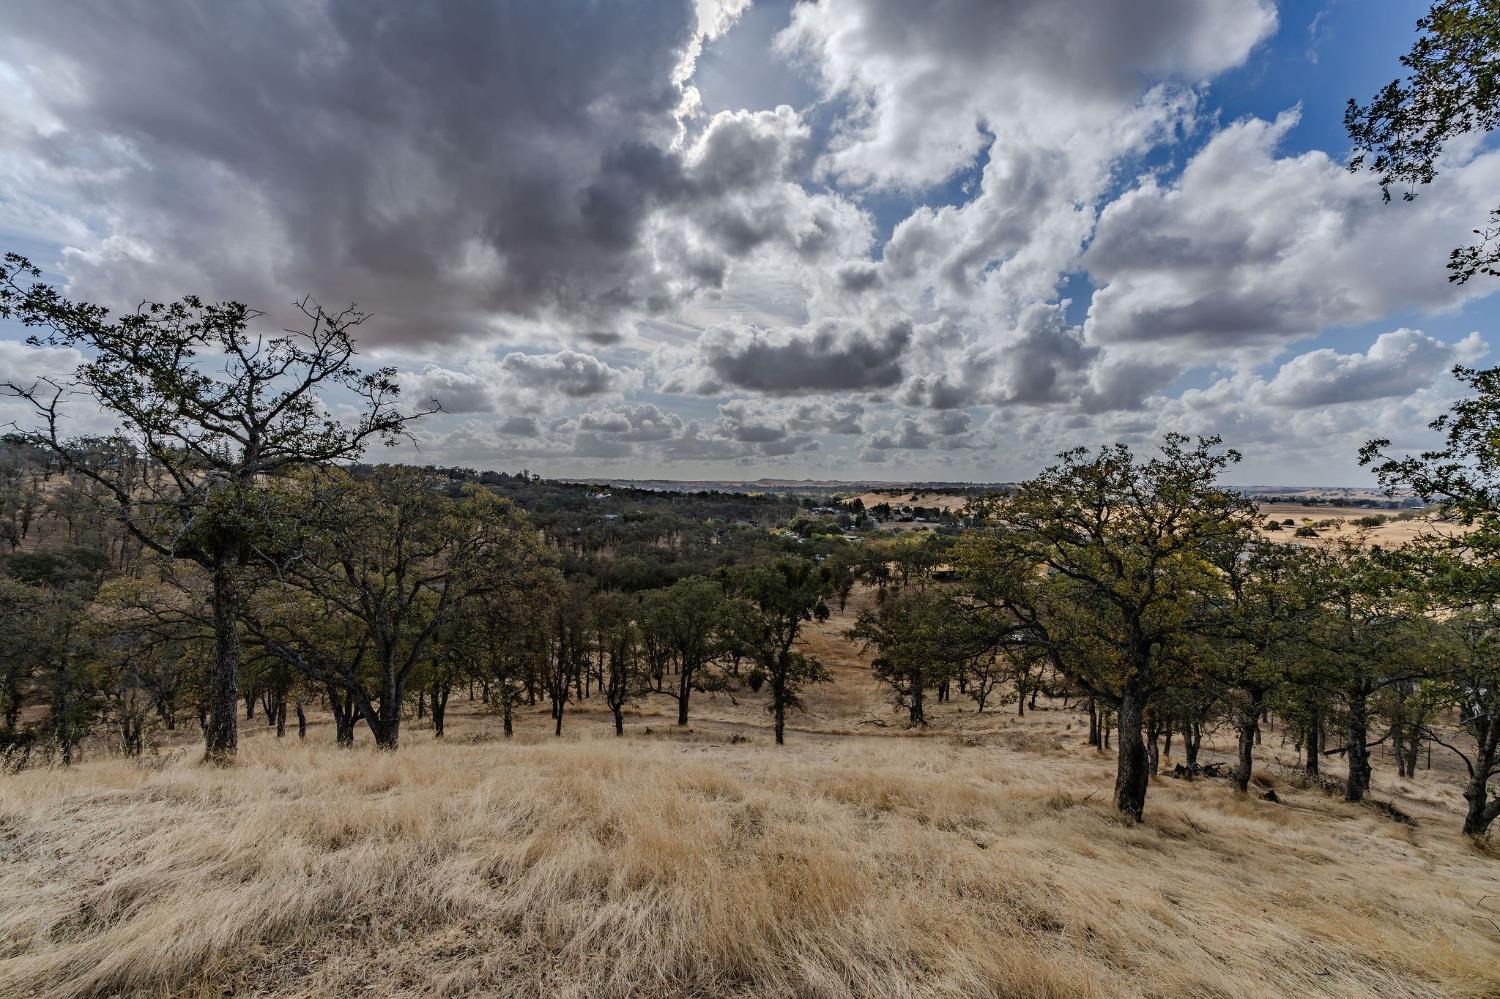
x=365, y=575
x=1116, y=569
x=1108, y=561
x=1457, y=577
x=921, y=638
x=59, y=568
x=782, y=596
x=1452, y=89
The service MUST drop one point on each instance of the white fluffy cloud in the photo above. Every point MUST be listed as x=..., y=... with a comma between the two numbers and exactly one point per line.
x=931, y=86
x=1396, y=365
x=1251, y=250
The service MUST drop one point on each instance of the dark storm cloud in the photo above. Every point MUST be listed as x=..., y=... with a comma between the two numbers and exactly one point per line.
x=832, y=358
x=436, y=162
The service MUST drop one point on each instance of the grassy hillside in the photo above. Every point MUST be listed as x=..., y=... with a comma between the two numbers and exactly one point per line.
x=980, y=860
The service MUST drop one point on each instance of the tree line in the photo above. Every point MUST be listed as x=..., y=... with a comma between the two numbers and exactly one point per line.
x=1142, y=587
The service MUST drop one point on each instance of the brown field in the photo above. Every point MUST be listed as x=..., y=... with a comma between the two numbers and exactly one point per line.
x=979, y=857
x=1394, y=532
x=939, y=501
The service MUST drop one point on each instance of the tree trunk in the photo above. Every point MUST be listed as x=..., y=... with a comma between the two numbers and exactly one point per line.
x=1314, y=741
x=221, y=735
x=1093, y=723
x=1413, y=751
x=385, y=725
x=684, y=689
x=1481, y=812
x=778, y=701
x=1248, y=725
x=439, y=707
x=281, y=717
x=916, y=682
x=301, y=722
x=1153, y=745
x=1130, y=773
x=1192, y=741
x=345, y=715
x=619, y=719
x=1355, y=747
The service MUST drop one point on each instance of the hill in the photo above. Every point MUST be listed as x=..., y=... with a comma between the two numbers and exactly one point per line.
x=977, y=857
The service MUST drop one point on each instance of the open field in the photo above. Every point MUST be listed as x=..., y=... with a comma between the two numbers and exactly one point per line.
x=692, y=866
x=903, y=497
x=1393, y=532
x=981, y=857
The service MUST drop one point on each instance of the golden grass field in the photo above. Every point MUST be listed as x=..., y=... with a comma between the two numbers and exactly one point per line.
x=1393, y=533
x=900, y=497
x=978, y=858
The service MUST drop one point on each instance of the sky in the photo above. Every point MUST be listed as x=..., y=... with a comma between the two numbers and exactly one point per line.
x=828, y=239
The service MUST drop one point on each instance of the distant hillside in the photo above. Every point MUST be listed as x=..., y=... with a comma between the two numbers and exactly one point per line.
x=768, y=485
x=1309, y=495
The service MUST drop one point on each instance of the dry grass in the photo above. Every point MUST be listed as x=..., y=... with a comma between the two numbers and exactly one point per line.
x=981, y=860
x=594, y=867
x=903, y=497
x=1340, y=524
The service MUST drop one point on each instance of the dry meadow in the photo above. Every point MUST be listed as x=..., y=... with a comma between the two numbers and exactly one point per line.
x=981, y=857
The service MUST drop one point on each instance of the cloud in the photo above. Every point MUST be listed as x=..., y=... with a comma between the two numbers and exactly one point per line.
x=1038, y=104
x=646, y=422
x=843, y=418
x=22, y=364
x=568, y=372
x=1006, y=226
x=1305, y=419
x=535, y=382
x=454, y=391
x=1041, y=360
x=949, y=431
x=928, y=87
x=1396, y=365
x=442, y=165
x=523, y=425
x=834, y=357
x=1248, y=250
